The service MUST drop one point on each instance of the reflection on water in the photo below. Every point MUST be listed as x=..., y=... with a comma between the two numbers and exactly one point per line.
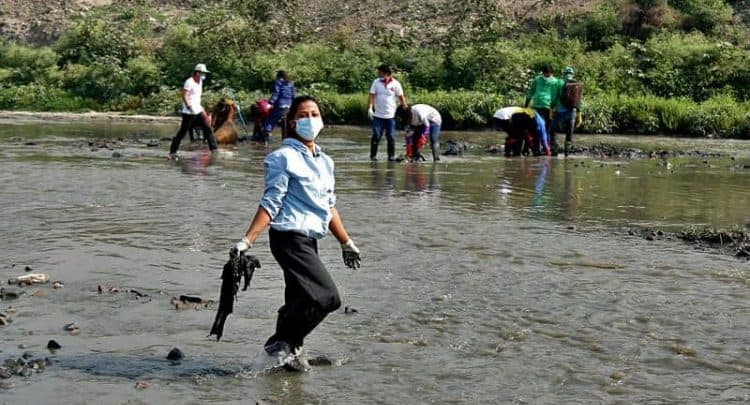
x=474, y=288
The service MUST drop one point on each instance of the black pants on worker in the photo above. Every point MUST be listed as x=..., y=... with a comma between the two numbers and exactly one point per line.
x=310, y=293
x=193, y=121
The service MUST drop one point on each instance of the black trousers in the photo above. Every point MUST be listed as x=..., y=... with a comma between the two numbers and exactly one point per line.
x=192, y=121
x=310, y=293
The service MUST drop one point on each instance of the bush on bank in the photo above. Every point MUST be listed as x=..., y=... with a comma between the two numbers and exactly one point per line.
x=681, y=71
x=721, y=116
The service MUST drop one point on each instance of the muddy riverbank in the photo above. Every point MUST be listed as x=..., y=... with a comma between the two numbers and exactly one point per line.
x=91, y=116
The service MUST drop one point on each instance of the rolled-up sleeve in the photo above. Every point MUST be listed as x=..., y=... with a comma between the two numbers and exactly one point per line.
x=332, y=198
x=332, y=193
x=277, y=182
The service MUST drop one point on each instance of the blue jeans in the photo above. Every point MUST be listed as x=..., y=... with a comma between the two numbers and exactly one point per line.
x=565, y=120
x=434, y=133
x=276, y=115
x=380, y=125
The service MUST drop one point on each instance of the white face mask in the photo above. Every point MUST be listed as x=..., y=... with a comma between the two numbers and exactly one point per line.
x=309, y=128
x=203, y=77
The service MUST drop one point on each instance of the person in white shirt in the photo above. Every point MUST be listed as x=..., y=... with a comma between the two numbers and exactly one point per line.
x=423, y=117
x=193, y=114
x=384, y=92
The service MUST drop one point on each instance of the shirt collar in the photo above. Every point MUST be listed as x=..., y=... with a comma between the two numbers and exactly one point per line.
x=299, y=146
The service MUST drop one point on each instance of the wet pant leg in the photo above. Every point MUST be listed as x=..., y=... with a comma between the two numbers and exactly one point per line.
x=570, y=125
x=257, y=131
x=185, y=126
x=390, y=137
x=546, y=113
x=435, y=141
x=378, y=127
x=310, y=293
x=208, y=133
x=277, y=113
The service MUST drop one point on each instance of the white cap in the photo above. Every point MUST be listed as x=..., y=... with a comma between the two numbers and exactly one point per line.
x=201, y=67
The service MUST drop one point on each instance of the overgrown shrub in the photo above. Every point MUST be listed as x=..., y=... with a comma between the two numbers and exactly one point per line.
x=703, y=15
x=144, y=75
x=102, y=80
x=598, y=30
x=719, y=116
x=690, y=65
x=598, y=114
x=24, y=65
x=36, y=97
x=91, y=39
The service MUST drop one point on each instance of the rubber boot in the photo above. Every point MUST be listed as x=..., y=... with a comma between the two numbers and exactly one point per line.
x=391, y=151
x=435, y=151
x=568, y=144
x=373, y=150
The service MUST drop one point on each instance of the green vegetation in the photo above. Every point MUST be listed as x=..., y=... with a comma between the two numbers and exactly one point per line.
x=648, y=66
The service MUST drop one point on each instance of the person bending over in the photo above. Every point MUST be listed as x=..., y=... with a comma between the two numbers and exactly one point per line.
x=423, y=117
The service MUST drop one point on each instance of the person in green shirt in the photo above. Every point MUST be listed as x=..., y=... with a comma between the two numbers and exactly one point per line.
x=543, y=93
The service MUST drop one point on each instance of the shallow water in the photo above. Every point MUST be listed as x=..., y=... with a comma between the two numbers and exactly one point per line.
x=484, y=279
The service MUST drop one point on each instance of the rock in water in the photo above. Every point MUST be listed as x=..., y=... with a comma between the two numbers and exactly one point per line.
x=191, y=299
x=320, y=360
x=71, y=327
x=175, y=355
x=53, y=345
x=9, y=294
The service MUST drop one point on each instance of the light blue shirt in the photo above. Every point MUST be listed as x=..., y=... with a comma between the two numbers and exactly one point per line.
x=299, y=191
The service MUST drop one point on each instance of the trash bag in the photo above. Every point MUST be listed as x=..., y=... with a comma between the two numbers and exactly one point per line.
x=239, y=266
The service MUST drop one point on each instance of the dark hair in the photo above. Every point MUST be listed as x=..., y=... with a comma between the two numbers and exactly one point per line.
x=546, y=69
x=281, y=74
x=385, y=69
x=501, y=125
x=403, y=113
x=292, y=111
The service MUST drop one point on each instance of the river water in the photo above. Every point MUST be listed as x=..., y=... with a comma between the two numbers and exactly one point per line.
x=484, y=279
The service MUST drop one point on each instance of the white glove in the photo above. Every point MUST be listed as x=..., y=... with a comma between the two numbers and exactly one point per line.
x=370, y=113
x=240, y=247
x=351, y=254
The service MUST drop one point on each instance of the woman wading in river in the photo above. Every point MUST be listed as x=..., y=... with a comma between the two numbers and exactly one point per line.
x=299, y=205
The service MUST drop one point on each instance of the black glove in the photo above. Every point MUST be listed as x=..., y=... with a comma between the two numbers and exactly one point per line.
x=351, y=254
